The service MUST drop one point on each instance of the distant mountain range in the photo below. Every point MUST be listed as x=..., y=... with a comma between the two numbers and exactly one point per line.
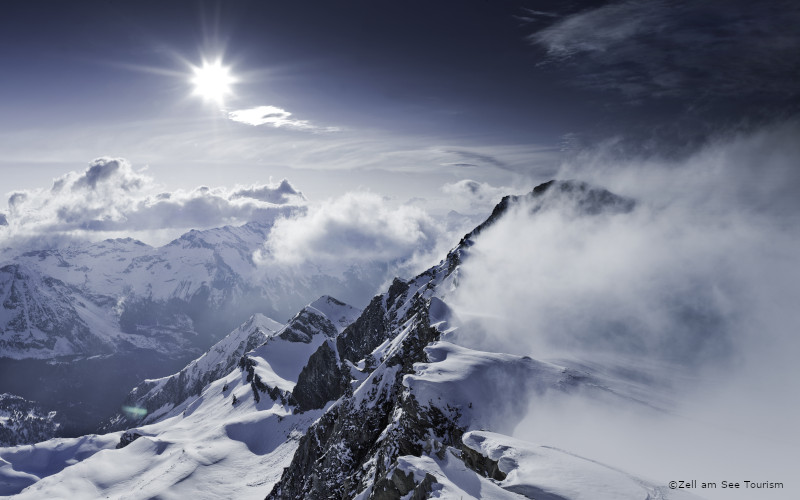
x=117, y=295
x=120, y=311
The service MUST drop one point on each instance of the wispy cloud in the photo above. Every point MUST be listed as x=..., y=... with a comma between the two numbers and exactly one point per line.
x=685, y=47
x=275, y=117
x=475, y=159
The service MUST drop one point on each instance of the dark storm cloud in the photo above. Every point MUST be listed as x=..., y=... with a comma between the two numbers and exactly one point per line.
x=676, y=48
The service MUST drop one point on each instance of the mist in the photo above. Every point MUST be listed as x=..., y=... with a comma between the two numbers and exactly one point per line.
x=690, y=298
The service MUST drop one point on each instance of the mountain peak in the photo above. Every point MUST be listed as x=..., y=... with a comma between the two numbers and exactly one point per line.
x=580, y=196
x=325, y=315
x=586, y=198
x=339, y=313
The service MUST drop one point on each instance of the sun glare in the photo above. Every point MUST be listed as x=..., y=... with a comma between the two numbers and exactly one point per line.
x=212, y=81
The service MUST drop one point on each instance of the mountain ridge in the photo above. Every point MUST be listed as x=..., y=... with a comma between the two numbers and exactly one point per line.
x=388, y=406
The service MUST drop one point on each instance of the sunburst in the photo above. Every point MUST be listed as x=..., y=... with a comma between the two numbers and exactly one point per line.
x=212, y=81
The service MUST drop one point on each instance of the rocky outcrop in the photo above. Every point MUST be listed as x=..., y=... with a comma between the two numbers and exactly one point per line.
x=481, y=464
x=306, y=324
x=400, y=484
x=357, y=441
x=24, y=422
x=258, y=386
x=321, y=380
x=127, y=438
x=365, y=334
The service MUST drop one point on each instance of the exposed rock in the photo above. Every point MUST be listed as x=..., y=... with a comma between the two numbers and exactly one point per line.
x=401, y=484
x=321, y=380
x=358, y=440
x=481, y=464
x=24, y=422
x=306, y=324
x=259, y=387
x=365, y=334
x=127, y=438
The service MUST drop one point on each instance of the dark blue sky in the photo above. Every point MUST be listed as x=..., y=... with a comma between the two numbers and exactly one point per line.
x=495, y=87
x=451, y=68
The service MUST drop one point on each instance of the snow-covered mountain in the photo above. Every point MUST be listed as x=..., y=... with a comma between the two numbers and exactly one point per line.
x=153, y=399
x=104, y=297
x=224, y=422
x=122, y=310
x=280, y=348
x=388, y=404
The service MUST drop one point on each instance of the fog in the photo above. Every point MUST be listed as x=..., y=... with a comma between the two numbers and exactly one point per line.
x=694, y=293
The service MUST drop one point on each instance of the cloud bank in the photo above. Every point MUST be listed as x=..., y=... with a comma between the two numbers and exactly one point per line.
x=111, y=197
x=689, y=275
x=693, y=295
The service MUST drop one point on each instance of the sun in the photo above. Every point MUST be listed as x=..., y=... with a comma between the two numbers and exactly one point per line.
x=213, y=81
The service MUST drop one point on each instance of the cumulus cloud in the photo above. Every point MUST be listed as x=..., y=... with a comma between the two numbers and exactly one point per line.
x=275, y=117
x=357, y=227
x=110, y=196
x=114, y=173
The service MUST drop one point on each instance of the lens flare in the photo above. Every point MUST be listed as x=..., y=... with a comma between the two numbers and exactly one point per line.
x=134, y=412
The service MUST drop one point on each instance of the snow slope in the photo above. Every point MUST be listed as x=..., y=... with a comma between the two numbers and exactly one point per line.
x=154, y=399
x=214, y=449
x=543, y=472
